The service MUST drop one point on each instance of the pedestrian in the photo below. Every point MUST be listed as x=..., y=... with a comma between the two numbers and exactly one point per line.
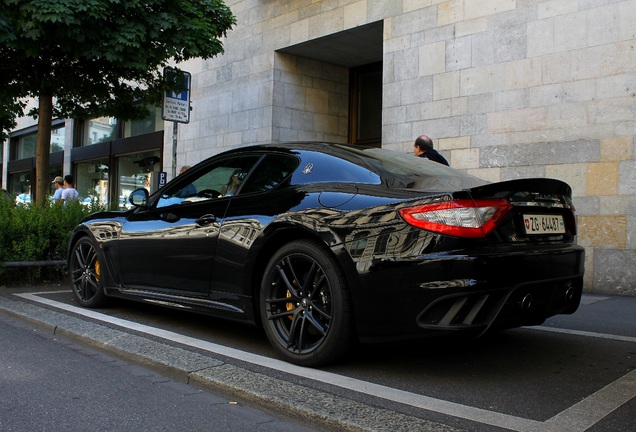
x=59, y=187
x=69, y=193
x=423, y=147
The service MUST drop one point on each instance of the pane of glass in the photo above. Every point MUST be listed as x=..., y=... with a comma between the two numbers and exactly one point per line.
x=26, y=146
x=152, y=123
x=137, y=170
x=92, y=181
x=58, y=137
x=270, y=173
x=222, y=179
x=21, y=186
x=100, y=130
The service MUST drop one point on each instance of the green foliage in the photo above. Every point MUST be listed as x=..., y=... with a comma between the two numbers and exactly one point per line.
x=100, y=57
x=38, y=233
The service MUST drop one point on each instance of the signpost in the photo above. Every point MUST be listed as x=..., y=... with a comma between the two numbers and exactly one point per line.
x=176, y=106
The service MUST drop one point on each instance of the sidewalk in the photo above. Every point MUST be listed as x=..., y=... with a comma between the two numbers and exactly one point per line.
x=325, y=409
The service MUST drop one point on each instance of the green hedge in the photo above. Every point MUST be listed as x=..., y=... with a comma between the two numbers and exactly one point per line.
x=34, y=233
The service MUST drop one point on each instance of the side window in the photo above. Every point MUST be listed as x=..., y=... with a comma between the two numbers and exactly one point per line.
x=220, y=179
x=271, y=172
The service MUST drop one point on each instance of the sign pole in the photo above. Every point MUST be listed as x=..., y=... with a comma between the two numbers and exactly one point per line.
x=176, y=106
x=175, y=128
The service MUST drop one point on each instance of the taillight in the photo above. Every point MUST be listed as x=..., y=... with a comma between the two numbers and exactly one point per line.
x=459, y=218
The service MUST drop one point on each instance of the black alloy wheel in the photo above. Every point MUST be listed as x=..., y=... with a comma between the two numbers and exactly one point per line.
x=305, y=307
x=85, y=268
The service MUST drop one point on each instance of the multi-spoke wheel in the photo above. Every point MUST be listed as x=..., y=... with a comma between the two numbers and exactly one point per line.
x=305, y=306
x=85, y=268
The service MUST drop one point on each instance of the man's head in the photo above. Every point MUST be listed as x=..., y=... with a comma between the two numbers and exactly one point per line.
x=422, y=143
x=68, y=180
x=58, y=182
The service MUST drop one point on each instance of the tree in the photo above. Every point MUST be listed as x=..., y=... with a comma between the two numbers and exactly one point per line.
x=89, y=58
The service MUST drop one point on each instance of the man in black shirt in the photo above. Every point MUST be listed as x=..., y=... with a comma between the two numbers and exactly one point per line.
x=423, y=147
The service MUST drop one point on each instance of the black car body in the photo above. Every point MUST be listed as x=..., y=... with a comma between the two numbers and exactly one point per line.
x=326, y=244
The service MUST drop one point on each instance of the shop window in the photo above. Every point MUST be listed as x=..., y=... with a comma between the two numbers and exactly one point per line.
x=58, y=139
x=151, y=123
x=25, y=145
x=137, y=170
x=99, y=130
x=21, y=186
x=92, y=181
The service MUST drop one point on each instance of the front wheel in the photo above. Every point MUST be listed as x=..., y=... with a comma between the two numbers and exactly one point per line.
x=305, y=306
x=85, y=267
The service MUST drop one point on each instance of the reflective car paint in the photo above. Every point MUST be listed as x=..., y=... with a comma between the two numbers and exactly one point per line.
x=209, y=254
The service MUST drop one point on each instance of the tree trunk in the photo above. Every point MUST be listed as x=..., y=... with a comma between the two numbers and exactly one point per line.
x=43, y=149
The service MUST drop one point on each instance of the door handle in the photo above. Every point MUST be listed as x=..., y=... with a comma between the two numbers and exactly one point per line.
x=206, y=220
x=169, y=217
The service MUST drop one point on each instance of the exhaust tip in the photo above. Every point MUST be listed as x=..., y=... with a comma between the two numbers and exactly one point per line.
x=526, y=302
x=569, y=293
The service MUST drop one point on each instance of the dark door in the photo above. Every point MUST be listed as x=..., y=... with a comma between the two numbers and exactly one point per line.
x=170, y=246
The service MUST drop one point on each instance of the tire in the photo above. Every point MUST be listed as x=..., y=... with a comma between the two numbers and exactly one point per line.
x=85, y=268
x=305, y=306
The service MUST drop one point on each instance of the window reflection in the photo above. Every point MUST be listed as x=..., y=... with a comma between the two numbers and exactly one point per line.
x=99, y=130
x=26, y=146
x=223, y=179
x=151, y=123
x=21, y=187
x=92, y=181
x=137, y=170
x=58, y=138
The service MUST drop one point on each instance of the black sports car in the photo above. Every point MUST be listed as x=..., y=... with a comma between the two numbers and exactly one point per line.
x=325, y=245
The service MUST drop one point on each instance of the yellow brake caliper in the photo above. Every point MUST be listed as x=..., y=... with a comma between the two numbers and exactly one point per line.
x=98, y=270
x=289, y=306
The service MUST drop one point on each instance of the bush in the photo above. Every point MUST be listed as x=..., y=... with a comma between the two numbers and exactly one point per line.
x=35, y=233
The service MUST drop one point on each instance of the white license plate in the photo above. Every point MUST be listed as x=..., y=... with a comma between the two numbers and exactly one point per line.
x=543, y=224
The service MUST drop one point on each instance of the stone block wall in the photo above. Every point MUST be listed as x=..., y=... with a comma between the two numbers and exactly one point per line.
x=513, y=89
x=506, y=88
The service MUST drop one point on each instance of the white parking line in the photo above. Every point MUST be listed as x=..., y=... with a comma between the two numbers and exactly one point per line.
x=585, y=333
x=576, y=418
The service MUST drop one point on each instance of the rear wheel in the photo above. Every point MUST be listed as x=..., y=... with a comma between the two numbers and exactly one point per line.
x=305, y=306
x=85, y=267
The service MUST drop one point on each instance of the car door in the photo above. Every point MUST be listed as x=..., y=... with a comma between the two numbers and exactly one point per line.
x=169, y=246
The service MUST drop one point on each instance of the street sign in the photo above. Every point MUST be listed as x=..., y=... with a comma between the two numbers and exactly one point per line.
x=176, y=104
x=163, y=179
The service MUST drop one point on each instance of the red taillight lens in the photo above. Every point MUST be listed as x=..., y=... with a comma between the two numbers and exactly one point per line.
x=459, y=218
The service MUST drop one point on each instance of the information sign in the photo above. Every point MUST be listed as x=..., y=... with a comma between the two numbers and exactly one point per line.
x=176, y=104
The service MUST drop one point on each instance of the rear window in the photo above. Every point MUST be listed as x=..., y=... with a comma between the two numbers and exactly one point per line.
x=400, y=170
x=362, y=165
x=321, y=168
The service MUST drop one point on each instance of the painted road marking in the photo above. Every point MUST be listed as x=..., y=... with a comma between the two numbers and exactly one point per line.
x=580, y=416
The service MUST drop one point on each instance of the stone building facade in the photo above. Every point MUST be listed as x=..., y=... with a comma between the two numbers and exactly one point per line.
x=506, y=88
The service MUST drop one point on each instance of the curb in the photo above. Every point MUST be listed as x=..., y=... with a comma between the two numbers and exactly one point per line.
x=318, y=407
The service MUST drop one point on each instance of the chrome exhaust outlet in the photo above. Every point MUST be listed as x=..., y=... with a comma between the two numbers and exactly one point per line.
x=526, y=302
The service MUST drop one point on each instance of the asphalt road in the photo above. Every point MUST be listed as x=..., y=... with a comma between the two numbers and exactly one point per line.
x=48, y=383
x=574, y=373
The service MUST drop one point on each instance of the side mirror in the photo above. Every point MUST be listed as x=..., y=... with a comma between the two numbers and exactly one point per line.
x=138, y=197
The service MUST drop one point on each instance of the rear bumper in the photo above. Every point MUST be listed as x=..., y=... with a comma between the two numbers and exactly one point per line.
x=469, y=292
x=528, y=303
